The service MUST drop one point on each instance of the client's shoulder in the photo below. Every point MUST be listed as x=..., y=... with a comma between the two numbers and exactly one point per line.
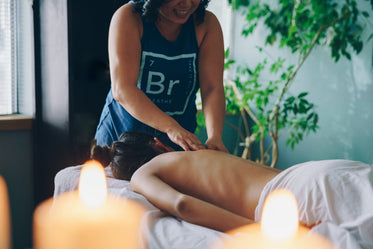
x=190, y=155
x=172, y=157
x=179, y=158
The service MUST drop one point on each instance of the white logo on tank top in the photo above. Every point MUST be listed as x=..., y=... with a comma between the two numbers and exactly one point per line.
x=169, y=81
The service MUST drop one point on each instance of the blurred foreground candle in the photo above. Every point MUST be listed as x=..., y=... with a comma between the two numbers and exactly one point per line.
x=4, y=216
x=89, y=218
x=278, y=229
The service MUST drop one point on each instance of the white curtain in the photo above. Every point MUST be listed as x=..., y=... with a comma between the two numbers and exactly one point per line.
x=8, y=58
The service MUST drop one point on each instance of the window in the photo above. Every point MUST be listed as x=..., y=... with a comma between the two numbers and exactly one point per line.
x=16, y=57
x=7, y=57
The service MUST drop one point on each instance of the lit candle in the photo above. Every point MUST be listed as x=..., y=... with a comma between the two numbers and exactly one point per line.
x=88, y=218
x=4, y=216
x=278, y=229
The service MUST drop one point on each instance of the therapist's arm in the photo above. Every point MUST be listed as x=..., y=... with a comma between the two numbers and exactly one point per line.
x=211, y=68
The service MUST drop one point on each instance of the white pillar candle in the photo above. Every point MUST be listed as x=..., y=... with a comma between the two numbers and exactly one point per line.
x=89, y=218
x=279, y=228
x=4, y=216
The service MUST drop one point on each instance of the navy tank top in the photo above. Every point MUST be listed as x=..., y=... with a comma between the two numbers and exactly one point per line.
x=168, y=76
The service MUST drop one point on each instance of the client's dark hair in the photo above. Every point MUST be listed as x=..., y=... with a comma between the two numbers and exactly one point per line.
x=126, y=155
x=149, y=9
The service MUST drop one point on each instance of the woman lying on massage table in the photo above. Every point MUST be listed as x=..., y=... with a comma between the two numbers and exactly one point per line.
x=221, y=191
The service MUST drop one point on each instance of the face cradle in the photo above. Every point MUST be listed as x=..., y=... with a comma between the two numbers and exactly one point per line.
x=178, y=11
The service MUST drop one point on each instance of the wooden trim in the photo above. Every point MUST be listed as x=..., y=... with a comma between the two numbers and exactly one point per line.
x=15, y=122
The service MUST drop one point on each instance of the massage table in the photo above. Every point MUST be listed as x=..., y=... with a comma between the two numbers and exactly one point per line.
x=162, y=231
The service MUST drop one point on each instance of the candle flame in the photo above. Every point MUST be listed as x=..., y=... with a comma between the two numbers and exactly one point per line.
x=92, y=184
x=280, y=216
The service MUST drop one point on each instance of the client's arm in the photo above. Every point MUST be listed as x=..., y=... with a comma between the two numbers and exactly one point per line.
x=146, y=182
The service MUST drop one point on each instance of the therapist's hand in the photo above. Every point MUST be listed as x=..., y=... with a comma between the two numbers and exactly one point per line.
x=185, y=139
x=215, y=144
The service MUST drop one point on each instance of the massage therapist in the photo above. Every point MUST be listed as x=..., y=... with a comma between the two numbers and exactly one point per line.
x=161, y=52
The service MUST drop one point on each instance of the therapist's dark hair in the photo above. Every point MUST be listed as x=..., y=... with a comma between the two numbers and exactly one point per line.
x=125, y=156
x=149, y=9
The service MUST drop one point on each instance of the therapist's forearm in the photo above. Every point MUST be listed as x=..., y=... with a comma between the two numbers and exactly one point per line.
x=214, y=112
x=144, y=110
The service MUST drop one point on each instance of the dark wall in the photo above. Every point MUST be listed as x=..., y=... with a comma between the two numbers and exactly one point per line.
x=72, y=80
x=88, y=26
x=16, y=168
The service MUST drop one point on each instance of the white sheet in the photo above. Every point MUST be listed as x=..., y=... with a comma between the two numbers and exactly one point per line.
x=337, y=192
x=159, y=231
x=165, y=232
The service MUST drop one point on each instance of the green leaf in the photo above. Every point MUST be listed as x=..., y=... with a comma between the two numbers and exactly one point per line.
x=304, y=102
x=290, y=100
x=302, y=108
x=371, y=36
x=226, y=53
x=300, y=136
x=295, y=109
x=316, y=119
x=228, y=63
x=365, y=13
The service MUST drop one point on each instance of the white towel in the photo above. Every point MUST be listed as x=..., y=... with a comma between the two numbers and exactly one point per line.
x=337, y=192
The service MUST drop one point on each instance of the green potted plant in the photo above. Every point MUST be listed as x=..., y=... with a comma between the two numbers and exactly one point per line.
x=265, y=105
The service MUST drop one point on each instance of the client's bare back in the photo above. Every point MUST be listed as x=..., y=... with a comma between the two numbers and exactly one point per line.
x=219, y=178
